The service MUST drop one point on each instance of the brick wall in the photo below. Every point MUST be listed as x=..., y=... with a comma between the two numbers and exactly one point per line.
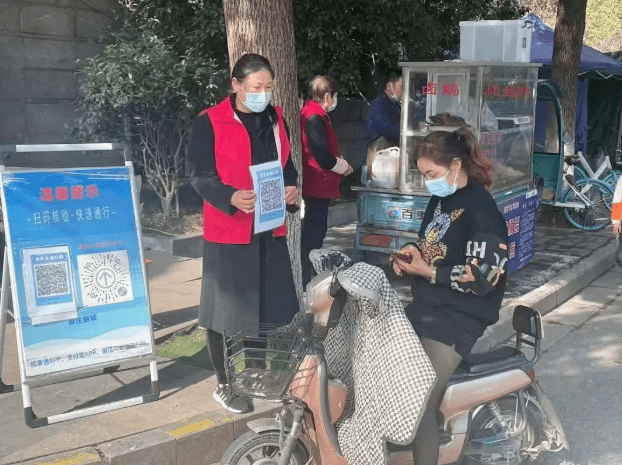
x=40, y=41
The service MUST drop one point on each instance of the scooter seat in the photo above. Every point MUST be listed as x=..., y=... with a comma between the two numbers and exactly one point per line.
x=503, y=358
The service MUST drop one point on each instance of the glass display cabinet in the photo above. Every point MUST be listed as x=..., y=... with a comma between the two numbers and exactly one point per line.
x=495, y=101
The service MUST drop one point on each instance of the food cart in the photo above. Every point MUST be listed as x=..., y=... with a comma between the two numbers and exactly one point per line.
x=496, y=101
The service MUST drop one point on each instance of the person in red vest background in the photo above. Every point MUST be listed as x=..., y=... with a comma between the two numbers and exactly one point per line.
x=247, y=277
x=322, y=166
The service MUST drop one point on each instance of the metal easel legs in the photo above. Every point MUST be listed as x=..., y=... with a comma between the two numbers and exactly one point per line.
x=4, y=308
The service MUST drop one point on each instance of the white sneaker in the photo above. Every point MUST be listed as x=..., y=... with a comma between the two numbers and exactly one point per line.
x=232, y=402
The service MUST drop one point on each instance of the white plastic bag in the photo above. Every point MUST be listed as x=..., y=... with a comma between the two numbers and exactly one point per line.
x=386, y=168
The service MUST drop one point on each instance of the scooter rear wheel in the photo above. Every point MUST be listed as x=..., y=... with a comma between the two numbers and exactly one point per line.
x=486, y=424
x=261, y=449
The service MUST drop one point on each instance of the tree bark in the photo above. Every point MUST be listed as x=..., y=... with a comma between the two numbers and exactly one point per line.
x=266, y=27
x=567, y=45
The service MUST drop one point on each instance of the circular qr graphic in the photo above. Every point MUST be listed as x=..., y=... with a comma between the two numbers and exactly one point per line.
x=105, y=278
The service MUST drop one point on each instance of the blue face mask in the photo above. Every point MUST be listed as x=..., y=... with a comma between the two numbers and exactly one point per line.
x=440, y=187
x=257, y=101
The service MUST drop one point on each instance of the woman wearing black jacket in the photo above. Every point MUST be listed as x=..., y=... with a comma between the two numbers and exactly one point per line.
x=458, y=268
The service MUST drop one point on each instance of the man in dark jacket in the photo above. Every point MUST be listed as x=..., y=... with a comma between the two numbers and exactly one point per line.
x=383, y=119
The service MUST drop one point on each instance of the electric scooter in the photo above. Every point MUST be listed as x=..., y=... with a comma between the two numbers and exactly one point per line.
x=493, y=410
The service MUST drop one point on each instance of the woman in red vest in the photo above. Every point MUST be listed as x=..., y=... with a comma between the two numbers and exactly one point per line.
x=247, y=278
x=322, y=166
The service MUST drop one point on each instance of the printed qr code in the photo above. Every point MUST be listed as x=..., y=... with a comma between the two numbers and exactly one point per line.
x=51, y=279
x=271, y=195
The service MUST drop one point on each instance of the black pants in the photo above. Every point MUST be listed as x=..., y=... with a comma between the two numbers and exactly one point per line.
x=314, y=227
x=216, y=354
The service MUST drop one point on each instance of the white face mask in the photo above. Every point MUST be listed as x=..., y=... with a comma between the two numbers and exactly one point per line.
x=334, y=105
x=441, y=187
x=257, y=101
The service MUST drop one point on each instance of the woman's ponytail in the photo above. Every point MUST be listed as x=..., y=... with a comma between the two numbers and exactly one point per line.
x=475, y=164
x=442, y=147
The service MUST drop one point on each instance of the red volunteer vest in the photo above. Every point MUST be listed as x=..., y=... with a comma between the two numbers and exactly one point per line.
x=232, y=153
x=316, y=181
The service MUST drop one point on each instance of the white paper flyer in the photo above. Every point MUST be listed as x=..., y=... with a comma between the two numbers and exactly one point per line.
x=270, y=191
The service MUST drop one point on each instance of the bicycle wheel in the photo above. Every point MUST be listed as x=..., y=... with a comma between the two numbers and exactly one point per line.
x=579, y=174
x=611, y=179
x=597, y=214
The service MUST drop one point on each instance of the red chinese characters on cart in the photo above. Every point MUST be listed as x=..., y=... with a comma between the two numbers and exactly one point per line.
x=511, y=92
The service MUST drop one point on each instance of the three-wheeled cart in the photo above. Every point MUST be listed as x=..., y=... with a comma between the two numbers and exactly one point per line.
x=497, y=102
x=585, y=199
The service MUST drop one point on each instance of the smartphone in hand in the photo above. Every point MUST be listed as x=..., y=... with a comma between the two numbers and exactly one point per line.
x=292, y=208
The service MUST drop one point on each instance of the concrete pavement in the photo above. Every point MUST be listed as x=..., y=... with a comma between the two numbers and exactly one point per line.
x=186, y=426
x=581, y=369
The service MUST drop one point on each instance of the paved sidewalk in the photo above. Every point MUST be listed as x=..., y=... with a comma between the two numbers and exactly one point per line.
x=186, y=427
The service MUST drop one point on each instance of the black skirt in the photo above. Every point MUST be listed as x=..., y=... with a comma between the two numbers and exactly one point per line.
x=450, y=328
x=247, y=284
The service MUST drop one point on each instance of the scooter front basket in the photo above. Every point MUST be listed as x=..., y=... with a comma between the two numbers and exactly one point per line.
x=261, y=361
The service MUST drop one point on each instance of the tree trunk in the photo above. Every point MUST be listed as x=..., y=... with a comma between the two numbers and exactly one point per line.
x=567, y=45
x=166, y=207
x=266, y=27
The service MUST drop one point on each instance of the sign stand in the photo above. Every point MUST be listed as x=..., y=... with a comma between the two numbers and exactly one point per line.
x=44, y=309
x=4, y=308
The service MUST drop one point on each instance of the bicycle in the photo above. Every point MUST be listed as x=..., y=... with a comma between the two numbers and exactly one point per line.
x=587, y=202
x=597, y=150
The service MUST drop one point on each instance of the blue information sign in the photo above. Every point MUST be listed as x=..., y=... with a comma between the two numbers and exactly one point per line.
x=79, y=288
x=520, y=217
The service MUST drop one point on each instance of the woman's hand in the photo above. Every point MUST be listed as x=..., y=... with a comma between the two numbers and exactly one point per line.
x=617, y=228
x=244, y=200
x=291, y=195
x=417, y=266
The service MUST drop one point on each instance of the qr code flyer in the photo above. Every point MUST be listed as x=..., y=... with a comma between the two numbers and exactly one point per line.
x=271, y=195
x=105, y=278
x=50, y=294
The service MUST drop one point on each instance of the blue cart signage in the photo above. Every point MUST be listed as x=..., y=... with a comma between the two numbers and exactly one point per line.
x=403, y=212
x=79, y=287
x=520, y=216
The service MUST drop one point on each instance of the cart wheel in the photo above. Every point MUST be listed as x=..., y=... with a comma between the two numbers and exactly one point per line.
x=598, y=214
x=579, y=174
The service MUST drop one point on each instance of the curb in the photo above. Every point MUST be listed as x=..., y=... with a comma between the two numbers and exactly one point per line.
x=161, y=335
x=200, y=440
x=187, y=245
x=550, y=295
